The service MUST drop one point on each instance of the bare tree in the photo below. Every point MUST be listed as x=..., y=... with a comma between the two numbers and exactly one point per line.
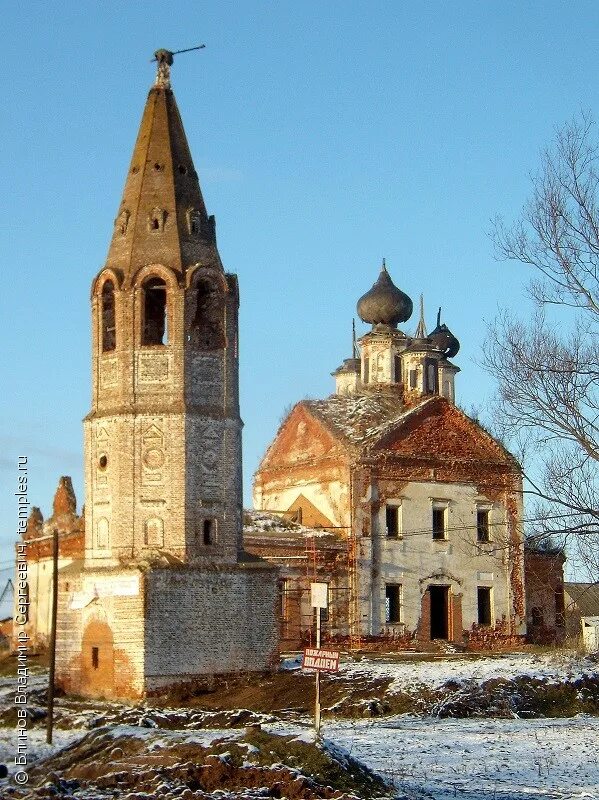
x=547, y=366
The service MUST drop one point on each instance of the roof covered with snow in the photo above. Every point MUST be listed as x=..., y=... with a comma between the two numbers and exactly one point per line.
x=362, y=419
x=265, y=524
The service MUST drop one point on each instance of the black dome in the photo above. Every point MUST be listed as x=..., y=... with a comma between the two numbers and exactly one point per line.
x=384, y=304
x=444, y=339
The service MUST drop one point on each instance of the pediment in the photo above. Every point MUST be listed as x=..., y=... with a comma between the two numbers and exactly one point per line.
x=301, y=438
x=440, y=429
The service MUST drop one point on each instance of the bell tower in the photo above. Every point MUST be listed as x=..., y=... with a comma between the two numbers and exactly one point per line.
x=163, y=438
x=166, y=593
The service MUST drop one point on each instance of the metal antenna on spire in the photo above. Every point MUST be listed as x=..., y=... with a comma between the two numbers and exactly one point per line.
x=165, y=62
x=354, y=352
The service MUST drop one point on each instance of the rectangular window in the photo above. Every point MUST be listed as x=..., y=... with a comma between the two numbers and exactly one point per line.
x=413, y=378
x=397, y=361
x=482, y=525
x=393, y=521
x=366, y=369
x=484, y=605
x=393, y=603
x=439, y=523
x=209, y=531
x=95, y=657
x=430, y=376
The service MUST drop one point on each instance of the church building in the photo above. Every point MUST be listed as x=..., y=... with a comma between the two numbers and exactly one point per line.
x=166, y=592
x=417, y=509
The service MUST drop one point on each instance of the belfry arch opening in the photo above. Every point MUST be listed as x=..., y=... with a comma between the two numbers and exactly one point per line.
x=208, y=330
x=108, y=318
x=155, y=322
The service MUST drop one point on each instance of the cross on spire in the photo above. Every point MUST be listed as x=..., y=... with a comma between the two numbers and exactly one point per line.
x=164, y=59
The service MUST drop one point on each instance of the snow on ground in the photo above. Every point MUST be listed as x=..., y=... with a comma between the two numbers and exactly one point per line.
x=477, y=759
x=37, y=746
x=407, y=672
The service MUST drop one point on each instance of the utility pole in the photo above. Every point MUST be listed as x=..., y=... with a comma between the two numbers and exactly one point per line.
x=50, y=717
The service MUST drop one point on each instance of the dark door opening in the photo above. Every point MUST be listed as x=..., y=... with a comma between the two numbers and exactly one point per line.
x=439, y=596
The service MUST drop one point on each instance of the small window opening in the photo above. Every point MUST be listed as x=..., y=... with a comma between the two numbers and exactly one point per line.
x=95, y=657
x=392, y=519
x=155, y=225
x=158, y=167
x=397, y=362
x=208, y=323
x=431, y=376
x=439, y=523
x=482, y=525
x=413, y=378
x=392, y=603
x=484, y=605
x=103, y=461
x=208, y=529
x=108, y=318
x=155, y=308
x=536, y=614
x=182, y=169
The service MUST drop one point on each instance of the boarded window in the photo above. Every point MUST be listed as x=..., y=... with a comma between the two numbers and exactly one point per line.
x=366, y=377
x=393, y=520
x=208, y=326
x=155, y=312
x=439, y=523
x=393, y=603
x=484, y=605
x=102, y=533
x=482, y=525
x=108, y=318
x=154, y=532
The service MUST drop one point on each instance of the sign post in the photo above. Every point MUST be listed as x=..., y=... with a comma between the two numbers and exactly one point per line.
x=320, y=599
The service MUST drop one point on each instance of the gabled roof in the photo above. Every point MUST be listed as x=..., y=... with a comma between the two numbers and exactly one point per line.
x=585, y=596
x=377, y=422
x=361, y=419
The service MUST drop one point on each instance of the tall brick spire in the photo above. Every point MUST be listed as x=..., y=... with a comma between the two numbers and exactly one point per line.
x=162, y=217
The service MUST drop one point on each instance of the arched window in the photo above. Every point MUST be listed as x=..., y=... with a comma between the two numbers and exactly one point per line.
x=208, y=323
x=108, y=318
x=155, y=317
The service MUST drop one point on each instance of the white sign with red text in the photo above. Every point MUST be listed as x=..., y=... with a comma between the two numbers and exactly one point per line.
x=321, y=660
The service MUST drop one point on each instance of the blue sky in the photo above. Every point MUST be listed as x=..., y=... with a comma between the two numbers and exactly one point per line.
x=326, y=136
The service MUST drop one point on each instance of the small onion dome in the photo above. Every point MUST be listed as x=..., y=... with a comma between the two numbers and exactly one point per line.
x=444, y=339
x=384, y=304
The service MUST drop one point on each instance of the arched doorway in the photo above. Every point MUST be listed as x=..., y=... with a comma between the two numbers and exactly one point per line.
x=97, y=660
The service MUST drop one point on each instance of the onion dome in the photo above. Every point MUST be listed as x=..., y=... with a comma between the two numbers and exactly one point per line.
x=384, y=304
x=444, y=339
